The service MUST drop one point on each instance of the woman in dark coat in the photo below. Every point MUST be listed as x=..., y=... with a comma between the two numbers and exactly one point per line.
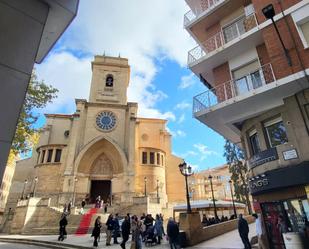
x=96, y=231
x=62, y=224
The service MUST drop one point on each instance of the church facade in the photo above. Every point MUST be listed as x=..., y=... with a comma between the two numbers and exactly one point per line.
x=102, y=149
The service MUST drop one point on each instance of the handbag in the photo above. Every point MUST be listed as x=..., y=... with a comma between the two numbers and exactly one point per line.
x=133, y=245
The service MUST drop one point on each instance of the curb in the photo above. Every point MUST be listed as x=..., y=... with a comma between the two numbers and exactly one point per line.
x=45, y=244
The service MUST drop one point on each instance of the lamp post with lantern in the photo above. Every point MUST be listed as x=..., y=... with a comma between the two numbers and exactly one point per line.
x=231, y=187
x=186, y=170
x=213, y=196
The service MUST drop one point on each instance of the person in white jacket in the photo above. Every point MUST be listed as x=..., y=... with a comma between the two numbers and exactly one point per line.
x=259, y=231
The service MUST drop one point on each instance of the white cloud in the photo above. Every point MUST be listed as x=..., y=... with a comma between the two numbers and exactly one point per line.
x=177, y=133
x=181, y=118
x=181, y=133
x=140, y=31
x=187, y=81
x=183, y=105
x=204, y=151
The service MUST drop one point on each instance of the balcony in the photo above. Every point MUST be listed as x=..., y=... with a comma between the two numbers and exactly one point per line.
x=225, y=107
x=200, y=9
x=233, y=88
x=222, y=39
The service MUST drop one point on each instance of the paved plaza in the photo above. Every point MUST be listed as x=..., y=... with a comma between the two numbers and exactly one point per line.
x=230, y=240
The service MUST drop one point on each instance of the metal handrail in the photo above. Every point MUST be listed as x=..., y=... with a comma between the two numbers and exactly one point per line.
x=205, y=6
x=219, y=39
x=233, y=88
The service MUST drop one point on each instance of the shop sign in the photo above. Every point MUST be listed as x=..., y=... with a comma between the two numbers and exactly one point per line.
x=263, y=157
x=258, y=183
x=290, y=154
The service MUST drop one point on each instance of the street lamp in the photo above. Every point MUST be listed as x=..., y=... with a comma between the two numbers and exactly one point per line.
x=235, y=214
x=186, y=171
x=145, y=189
x=213, y=197
x=22, y=194
x=269, y=13
x=34, y=187
x=74, y=194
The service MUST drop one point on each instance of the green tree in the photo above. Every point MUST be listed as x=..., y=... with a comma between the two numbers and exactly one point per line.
x=235, y=159
x=38, y=96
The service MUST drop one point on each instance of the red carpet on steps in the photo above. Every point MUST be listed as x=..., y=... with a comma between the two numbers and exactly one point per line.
x=85, y=222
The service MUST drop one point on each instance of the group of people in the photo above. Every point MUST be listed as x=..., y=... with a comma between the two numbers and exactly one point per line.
x=215, y=220
x=144, y=229
x=99, y=203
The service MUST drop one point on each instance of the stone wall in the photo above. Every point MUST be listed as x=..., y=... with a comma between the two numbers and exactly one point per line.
x=196, y=233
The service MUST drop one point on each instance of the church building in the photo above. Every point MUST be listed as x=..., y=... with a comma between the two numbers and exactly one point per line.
x=104, y=149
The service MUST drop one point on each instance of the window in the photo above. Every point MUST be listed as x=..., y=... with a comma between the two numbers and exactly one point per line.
x=254, y=142
x=49, y=155
x=109, y=81
x=43, y=155
x=276, y=132
x=248, y=77
x=152, y=157
x=162, y=162
x=301, y=19
x=58, y=155
x=144, y=157
x=234, y=30
x=305, y=31
x=158, y=159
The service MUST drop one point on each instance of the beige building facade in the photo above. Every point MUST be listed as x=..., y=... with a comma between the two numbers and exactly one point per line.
x=201, y=188
x=102, y=149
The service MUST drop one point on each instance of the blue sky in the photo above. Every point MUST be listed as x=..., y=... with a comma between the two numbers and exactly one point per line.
x=156, y=46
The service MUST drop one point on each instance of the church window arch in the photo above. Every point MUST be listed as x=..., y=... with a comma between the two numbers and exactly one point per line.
x=109, y=81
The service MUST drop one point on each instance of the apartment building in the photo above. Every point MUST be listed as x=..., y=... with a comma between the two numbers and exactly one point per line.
x=256, y=95
x=200, y=188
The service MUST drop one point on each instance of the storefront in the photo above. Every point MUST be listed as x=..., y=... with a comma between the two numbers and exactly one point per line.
x=281, y=197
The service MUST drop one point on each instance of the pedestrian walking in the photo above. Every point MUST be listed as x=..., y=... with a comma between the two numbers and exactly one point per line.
x=96, y=231
x=125, y=231
x=138, y=236
x=134, y=221
x=158, y=229
x=259, y=231
x=116, y=230
x=62, y=224
x=83, y=204
x=172, y=233
x=243, y=230
x=98, y=202
x=69, y=207
x=109, y=229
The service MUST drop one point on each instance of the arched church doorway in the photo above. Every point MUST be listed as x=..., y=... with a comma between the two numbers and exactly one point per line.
x=101, y=173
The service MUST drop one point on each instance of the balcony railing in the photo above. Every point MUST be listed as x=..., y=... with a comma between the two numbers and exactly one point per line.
x=204, y=5
x=229, y=33
x=233, y=88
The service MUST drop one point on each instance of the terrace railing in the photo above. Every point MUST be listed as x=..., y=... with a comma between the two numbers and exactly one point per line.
x=227, y=34
x=233, y=88
x=204, y=5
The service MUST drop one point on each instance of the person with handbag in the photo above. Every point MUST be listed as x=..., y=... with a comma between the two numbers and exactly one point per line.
x=96, y=231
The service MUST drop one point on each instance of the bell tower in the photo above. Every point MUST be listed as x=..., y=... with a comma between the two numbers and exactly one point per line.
x=110, y=80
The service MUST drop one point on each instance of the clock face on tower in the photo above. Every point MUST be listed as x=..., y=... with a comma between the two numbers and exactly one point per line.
x=106, y=120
